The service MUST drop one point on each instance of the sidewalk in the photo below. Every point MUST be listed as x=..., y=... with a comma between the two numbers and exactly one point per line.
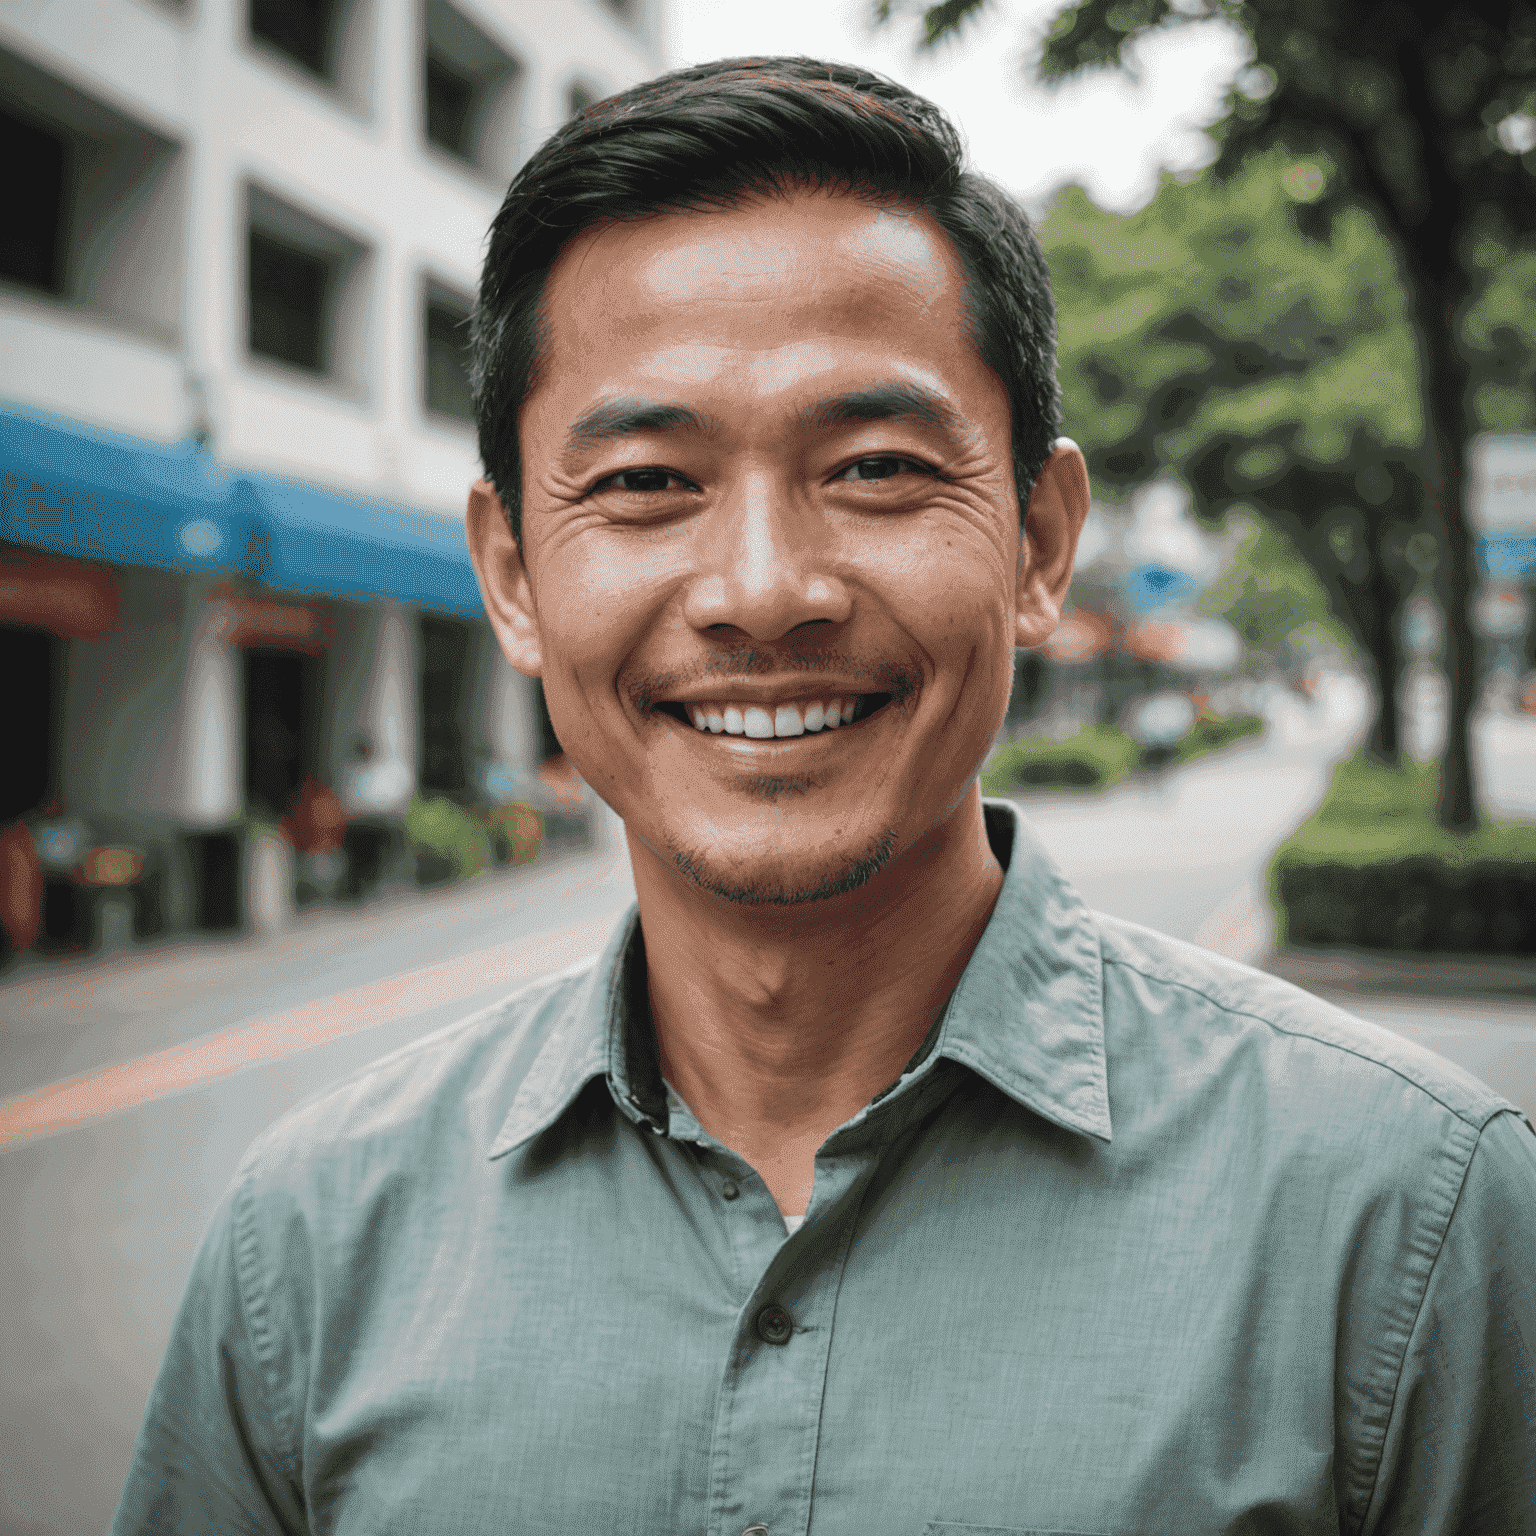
x=1359, y=974
x=62, y=1017
x=1477, y=1011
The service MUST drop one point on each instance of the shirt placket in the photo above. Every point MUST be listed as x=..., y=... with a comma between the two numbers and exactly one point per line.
x=767, y=1428
x=768, y=1411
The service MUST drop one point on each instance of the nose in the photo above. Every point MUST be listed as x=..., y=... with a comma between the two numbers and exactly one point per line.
x=764, y=566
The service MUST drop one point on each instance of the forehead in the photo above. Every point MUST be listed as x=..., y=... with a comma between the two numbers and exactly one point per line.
x=781, y=282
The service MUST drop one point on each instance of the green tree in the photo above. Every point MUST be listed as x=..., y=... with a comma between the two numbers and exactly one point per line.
x=1421, y=113
x=1272, y=598
x=1209, y=332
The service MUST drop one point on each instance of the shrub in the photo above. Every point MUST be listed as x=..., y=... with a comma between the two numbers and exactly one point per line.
x=1094, y=758
x=1214, y=732
x=1102, y=755
x=448, y=842
x=1372, y=869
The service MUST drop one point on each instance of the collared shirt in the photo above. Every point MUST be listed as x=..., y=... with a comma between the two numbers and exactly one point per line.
x=1144, y=1241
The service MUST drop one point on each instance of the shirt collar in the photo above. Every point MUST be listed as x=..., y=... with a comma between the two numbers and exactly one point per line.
x=1028, y=1014
x=604, y=1027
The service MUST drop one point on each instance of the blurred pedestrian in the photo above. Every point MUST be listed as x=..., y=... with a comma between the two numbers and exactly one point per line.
x=315, y=821
x=21, y=886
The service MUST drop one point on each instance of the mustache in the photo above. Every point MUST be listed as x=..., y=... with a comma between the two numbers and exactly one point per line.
x=897, y=678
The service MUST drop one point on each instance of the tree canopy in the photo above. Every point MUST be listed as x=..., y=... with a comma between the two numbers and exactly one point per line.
x=1420, y=115
x=1209, y=332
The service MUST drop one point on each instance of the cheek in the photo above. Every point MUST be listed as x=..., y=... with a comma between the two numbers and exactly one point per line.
x=608, y=600
x=954, y=586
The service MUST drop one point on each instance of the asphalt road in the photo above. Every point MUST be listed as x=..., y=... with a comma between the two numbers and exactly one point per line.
x=103, y=1215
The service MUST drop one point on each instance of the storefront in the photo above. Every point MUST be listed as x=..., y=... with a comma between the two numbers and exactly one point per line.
x=210, y=664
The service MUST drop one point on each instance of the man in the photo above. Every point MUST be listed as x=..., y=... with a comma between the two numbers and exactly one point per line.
x=868, y=1182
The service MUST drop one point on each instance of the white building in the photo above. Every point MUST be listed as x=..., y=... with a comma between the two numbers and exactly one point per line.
x=234, y=435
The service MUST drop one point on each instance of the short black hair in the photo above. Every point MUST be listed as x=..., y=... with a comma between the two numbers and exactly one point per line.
x=705, y=138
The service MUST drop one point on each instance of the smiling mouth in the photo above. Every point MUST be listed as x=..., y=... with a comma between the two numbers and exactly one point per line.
x=765, y=722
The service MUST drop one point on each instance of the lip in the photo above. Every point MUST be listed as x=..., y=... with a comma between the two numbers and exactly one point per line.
x=790, y=690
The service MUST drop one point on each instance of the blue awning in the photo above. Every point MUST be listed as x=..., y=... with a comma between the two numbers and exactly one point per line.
x=329, y=544
x=74, y=490
x=78, y=490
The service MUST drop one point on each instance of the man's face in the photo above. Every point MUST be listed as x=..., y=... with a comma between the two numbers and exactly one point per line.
x=771, y=572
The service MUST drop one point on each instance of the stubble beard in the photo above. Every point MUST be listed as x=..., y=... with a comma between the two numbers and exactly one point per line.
x=699, y=867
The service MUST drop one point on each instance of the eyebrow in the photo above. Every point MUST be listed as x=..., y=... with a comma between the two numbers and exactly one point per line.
x=621, y=418
x=611, y=419
x=885, y=402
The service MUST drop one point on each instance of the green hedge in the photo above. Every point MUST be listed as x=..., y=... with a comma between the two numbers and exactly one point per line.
x=1217, y=731
x=1093, y=759
x=1101, y=755
x=1373, y=870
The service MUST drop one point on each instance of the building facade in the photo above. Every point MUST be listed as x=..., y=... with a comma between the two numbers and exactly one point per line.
x=235, y=433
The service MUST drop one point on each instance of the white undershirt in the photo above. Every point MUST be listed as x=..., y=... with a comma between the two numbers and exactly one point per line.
x=792, y=1223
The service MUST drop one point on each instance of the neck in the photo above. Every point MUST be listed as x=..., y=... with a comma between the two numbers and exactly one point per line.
x=778, y=1024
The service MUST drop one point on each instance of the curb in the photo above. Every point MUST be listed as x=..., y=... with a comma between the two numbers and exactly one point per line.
x=1367, y=972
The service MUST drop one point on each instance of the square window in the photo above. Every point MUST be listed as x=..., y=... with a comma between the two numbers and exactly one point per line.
x=450, y=108
x=92, y=203
x=288, y=293
x=303, y=30
x=32, y=233
x=307, y=292
x=470, y=90
x=445, y=335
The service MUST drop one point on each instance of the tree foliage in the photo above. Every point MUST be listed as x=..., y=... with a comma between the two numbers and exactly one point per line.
x=1273, y=598
x=1421, y=114
x=1209, y=332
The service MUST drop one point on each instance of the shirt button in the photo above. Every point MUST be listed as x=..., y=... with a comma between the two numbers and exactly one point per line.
x=774, y=1325
x=729, y=1191
x=755, y=1530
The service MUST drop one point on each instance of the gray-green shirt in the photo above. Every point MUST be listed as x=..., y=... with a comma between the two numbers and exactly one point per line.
x=1143, y=1241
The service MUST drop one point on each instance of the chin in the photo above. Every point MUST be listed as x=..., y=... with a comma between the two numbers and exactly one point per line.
x=780, y=882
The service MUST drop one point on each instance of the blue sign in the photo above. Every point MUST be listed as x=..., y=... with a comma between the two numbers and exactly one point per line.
x=1507, y=554
x=1156, y=586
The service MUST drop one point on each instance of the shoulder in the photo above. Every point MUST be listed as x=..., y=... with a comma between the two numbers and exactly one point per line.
x=1297, y=1043
x=440, y=1099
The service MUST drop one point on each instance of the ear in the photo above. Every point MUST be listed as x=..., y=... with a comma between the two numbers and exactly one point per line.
x=503, y=578
x=1058, y=505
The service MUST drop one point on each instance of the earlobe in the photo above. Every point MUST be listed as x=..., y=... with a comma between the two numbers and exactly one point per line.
x=1058, y=507
x=503, y=577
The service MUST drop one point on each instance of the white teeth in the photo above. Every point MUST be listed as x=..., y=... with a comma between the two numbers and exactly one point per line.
x=784, y=720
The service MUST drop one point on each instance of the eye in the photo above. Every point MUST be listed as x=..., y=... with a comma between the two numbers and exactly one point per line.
x=883, y=467
x=643, y=480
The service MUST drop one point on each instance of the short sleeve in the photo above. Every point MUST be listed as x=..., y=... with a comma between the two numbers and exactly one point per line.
x=210, y=1456
x=1460, y=1449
